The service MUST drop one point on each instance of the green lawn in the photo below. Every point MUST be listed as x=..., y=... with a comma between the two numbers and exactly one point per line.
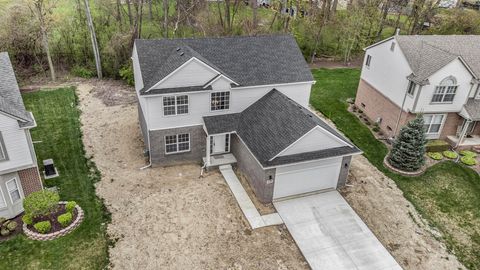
x=447, y=195
x=61, y=139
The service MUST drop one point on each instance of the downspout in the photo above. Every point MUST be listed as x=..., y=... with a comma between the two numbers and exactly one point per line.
x=149, y=152
x=400, y=114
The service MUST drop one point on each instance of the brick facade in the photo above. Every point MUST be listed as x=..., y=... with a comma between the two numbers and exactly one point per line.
x=450, y=125
x=375, y=105
x=30, y=180
x=198, y=142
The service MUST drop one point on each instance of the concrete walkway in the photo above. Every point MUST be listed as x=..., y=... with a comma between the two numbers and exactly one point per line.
x=331, y=235
x=248, y=208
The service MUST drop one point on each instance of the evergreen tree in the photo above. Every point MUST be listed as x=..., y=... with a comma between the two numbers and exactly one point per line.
x=408, y=152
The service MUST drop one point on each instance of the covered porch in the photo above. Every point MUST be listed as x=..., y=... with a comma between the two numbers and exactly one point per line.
x=218, y=140
x=468, y=131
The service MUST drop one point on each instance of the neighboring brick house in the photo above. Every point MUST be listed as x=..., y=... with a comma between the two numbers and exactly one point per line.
x=19, y=174
x=239, y=100
x=436, y=76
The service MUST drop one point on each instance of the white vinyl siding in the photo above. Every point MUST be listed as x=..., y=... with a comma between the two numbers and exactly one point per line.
x=392, y=47
x=16, y=145
x=175, y=105
x=177, y=143
x=13, y=191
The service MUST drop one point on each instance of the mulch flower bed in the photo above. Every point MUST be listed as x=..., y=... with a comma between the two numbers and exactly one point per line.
x=18, y=229
x=53, y=218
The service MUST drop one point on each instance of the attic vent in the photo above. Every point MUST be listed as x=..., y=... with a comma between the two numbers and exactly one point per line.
x=182, y=53
x=178, y=49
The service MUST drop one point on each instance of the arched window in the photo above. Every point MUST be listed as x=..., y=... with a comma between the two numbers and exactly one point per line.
x=445, y=92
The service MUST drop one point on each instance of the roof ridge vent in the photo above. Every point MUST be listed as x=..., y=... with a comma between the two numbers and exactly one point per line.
x=178, y=49
x=182, y=53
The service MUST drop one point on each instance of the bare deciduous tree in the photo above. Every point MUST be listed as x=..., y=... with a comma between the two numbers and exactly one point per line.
x=93, y=36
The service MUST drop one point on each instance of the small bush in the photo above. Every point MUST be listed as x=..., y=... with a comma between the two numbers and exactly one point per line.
x=41, y=203
x=435, y=155
x=27, y=219
x=82, y=72
x=4, y=232
x=360, y=111
x=126, y=73
x=468, y=160
x=437, y=146
x=468, y=153
x=70, y=206
x=11, y=226
x=450, y=154
x=2, y=220
x=376, y=129
x=43, y=226
x=65, y=219
x=367, y=123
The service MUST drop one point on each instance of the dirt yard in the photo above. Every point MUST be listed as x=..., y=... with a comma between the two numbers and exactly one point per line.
x=169, y=218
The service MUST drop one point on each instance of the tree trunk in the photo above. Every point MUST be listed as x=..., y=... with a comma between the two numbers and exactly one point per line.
x=150, y=14
x=129, y=8
x=46, y=47
x=165, y=18
x=386, y=7
x=119, y=13
x=93, y=36
x=227, y=16
x=254, y=13
x=334, y=8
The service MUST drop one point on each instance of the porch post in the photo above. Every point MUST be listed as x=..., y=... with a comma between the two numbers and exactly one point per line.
x=463, y=132
x=208, y=151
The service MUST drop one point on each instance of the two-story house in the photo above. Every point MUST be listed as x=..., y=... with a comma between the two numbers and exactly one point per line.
x=19, y=175
x=241, y=100
x=436, y=76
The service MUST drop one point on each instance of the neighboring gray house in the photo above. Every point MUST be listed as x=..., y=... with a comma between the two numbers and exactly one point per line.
x=18, y=165
x=241, y=100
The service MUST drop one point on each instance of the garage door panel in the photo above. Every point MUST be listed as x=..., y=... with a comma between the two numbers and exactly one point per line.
x=304, y=178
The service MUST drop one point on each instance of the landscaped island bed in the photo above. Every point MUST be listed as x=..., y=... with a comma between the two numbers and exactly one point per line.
x=58, y=136
x=447, y=195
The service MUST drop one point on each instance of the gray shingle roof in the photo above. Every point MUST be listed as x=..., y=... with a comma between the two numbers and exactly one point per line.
x=473, y=108
x=428, y=53
x=273, y=123
x=11, y=102
x=258, y=60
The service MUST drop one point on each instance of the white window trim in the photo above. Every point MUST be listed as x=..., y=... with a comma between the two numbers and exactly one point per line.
x=175, y=106
x=18, y=189
x=176, y=152
x=229, y=101
x=443, y=95
x=3, y=149
x=227, y=148
x=3, y=198
x=392, y=46
x=414, y=88
x=441, y=124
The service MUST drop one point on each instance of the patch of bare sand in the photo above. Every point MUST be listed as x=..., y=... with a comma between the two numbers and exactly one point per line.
x=169, y=218
x=394, y=220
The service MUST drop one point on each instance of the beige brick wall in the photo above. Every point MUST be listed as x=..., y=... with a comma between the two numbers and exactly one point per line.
x=30, y=180
x=375, y=105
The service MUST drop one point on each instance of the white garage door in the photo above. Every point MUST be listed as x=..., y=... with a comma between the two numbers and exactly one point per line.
x=308, y=177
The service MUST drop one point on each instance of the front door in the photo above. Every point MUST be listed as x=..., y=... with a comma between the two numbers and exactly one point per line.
x=219, y=143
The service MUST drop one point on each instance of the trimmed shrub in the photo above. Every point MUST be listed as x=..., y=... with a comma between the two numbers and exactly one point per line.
x=408, y=151
x=27, y=219
x=467, y=160
x=43, y=226
x=435, y=155
x=468, y=153
x=4, y=232
x=437, y=146
x=11, y=226
x=2, y=220
x=65, y=219
x=70, y=206
x=376, y=129
x=83, y=72
x=360, y=111
x=41, y=203
x=450, y=154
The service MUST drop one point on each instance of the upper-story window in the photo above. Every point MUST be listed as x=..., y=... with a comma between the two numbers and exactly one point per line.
x=173, y=105
x=220, y=101
x=392, y=46
x=445, y=92
x=411, y=88
x=3, y=151
x=369, y=60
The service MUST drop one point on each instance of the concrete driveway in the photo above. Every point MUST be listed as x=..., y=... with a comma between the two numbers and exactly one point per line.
x=331, y=235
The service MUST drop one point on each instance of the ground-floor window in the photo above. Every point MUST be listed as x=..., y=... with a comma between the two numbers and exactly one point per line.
x=433, y=123
x=12, y=188
x=177, y=143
